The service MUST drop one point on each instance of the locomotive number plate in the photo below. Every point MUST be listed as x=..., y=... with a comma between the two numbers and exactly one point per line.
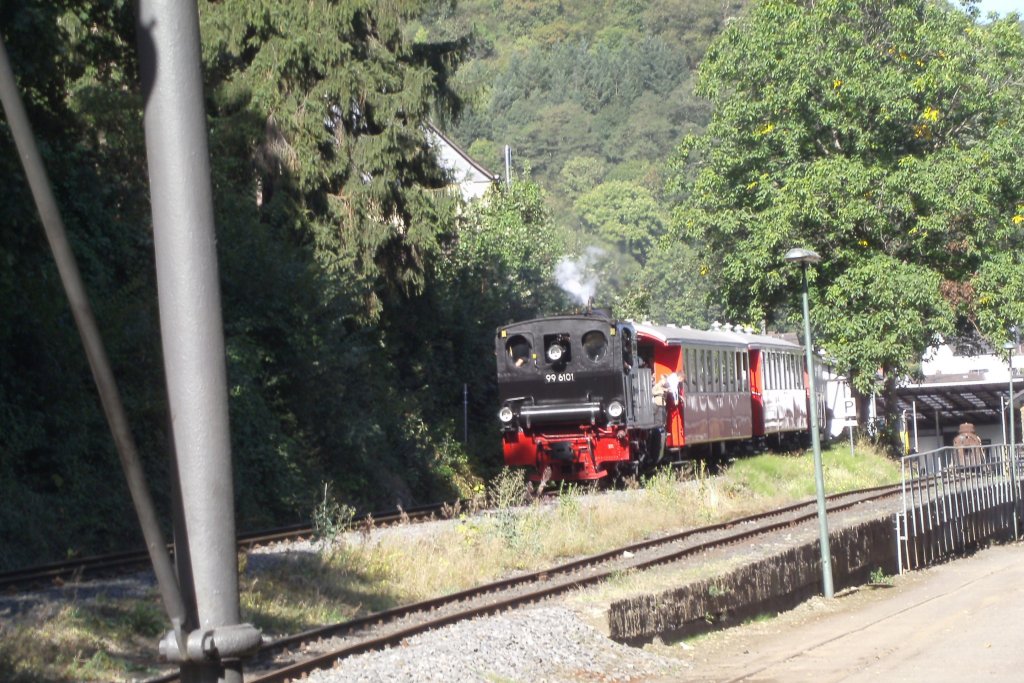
x=554, y=378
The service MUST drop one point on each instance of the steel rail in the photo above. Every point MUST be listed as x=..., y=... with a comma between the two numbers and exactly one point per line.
x=119, y=562
x=498, y=604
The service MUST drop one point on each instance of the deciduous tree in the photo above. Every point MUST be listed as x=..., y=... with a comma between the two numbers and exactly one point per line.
x=885, y=135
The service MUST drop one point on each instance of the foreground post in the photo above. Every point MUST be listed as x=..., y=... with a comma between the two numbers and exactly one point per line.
x=210, y=646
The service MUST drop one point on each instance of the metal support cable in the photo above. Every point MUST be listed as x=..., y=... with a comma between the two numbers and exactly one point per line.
x=110, y=398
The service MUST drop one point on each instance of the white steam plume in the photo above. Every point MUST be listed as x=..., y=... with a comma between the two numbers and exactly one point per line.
x=577, y=277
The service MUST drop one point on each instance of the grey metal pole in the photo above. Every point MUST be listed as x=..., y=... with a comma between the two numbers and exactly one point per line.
x=192, y=335
x=819, y=477
x=81, y=310
x=917, y=447
x=1013, y=448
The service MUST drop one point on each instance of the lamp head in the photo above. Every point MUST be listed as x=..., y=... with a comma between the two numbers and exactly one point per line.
x=1009, y=346
x=802, y=256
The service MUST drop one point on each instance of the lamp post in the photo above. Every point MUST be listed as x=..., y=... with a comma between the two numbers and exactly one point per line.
x=1011, y=348
x=805, y=257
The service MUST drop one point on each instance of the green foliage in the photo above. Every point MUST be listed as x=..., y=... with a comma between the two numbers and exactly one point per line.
x=886, y=136
x=331, y=217
x=623, y=214
x=586, y=93
x=331, y=518
x=60, y=487
x=509, y=248
x=336, y=97
x=891, y=310
x=998, y=293
x=880, y=578
x=671, y=288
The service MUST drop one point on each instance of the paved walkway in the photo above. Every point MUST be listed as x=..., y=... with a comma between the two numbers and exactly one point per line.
x=960, y=621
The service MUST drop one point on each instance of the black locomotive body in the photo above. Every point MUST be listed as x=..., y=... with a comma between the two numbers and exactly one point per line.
x=576, y=402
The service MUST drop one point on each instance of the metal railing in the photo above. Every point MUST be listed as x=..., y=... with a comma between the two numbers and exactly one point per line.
x=956, y=498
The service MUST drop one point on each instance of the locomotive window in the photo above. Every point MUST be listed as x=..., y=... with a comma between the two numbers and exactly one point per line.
x=627, y=350
x=595, y=345
x=557, y=349
x=518, y=348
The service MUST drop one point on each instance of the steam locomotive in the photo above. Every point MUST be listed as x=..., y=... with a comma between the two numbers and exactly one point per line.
x=585, y=396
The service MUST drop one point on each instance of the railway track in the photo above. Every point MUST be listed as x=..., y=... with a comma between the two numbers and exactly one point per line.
x=319, y=648
x=122, y=562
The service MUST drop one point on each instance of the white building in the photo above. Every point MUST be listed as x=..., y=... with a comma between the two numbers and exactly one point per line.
x=472, y=178
x=958, y=389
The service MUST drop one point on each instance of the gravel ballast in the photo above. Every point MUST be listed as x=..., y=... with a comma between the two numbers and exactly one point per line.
x=545, y=643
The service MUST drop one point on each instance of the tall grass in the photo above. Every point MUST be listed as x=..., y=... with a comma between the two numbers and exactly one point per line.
x=791, y=477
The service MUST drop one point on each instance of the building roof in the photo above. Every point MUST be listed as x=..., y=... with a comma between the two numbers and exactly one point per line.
x=958, y=400
x=962, y=388
x=468, y=173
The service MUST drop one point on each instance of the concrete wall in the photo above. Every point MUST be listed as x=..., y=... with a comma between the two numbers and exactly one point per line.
x=775, y=584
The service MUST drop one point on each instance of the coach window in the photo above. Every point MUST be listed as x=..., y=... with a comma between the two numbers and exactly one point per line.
x=731, y=361
x=719, y=375
x=698, y=355
x=705, y=366
x=595, y=345
x=518, y=349
x=716, y=371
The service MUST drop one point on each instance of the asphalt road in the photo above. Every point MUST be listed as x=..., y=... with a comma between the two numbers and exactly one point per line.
x=960, y=621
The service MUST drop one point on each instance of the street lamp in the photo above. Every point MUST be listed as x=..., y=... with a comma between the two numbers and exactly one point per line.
x=805, y=257
x=1011, y=348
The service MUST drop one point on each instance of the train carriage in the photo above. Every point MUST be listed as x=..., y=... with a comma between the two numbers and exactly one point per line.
x=778, y=390
x=710, y=402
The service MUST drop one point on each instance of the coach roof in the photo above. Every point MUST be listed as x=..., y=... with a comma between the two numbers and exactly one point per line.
x=677, y=336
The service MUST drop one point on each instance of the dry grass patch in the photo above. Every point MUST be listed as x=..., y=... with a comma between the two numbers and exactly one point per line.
x=351, y=574
x=97, y=640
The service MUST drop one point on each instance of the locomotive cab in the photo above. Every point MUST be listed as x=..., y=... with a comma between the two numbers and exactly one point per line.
x=571, y=389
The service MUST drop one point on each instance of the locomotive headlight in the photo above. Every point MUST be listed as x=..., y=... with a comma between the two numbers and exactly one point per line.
x=505, y=414
x=614, y=410
x=555, y=352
